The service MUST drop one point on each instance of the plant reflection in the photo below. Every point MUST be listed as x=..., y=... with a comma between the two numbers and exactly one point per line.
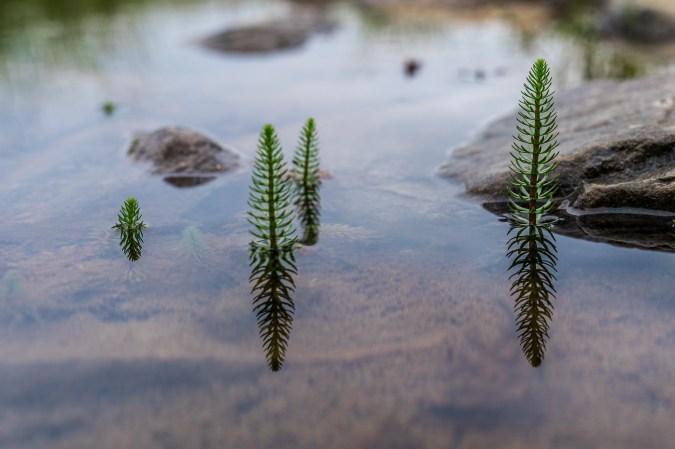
x=131, y=241
x=308, y=205
x=532, y=252
x=272, y=271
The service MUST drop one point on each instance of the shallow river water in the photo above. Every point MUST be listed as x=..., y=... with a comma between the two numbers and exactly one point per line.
x=404, y=333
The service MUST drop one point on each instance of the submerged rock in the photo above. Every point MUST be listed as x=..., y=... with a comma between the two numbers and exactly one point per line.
x=637, y=24
x=187, y=157
x=617, y=148
x=272, y=35
x=559, y=4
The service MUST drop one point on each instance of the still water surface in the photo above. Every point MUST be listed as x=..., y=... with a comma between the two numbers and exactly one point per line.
x=404, y=334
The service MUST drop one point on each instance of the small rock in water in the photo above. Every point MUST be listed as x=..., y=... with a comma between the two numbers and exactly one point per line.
x=187, y=157
x=272, y=35
x=411, y=67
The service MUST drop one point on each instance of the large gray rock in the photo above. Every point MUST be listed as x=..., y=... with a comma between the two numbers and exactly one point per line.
x=187, y=157
x=617, y=148
x=272, y=35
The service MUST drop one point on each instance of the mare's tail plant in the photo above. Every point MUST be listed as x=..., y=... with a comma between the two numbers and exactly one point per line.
x=272, y=259
x=130, y=226
x=533, y=264
x=306, y=178
x=532, y=249
x=534, y=150
x=270, y=195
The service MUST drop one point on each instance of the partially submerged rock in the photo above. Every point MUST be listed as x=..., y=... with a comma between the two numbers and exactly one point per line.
x=617, y=148
x=272, y=35
x=186, y=157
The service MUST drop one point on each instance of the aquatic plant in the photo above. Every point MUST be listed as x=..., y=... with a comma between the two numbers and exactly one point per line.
x=269, y=196
x=272, y=259
x=533, y=156
x=532, y=252
x=305, y=175
x=130, y=226
x=108, y=108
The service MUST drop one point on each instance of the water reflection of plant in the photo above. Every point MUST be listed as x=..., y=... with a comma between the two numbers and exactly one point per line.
x=307, y=183
x=272, y=259
x=130, y=227
x=532, y=252
x=273, y=284
x=531, y=248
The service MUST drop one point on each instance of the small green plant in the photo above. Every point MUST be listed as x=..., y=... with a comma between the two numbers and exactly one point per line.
x=272, y=258
x=533, y=157
x=532, y=252
x=130, y=226
x=307, y=183
x=270, y=195
x=109, y=108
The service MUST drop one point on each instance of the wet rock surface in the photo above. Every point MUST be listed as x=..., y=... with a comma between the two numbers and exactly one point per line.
x=187, y=157
x=271, y=35
x=617, y=148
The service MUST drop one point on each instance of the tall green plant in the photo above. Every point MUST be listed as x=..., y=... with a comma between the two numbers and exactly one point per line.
x=130, y=226
x=531, y=248
x=270, y=195
x=533, y=157
x=307, y=183
x=272, y=259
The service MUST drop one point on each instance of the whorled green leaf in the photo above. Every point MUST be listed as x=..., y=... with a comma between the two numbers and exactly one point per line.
x=534, y=149
x=532, y=252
